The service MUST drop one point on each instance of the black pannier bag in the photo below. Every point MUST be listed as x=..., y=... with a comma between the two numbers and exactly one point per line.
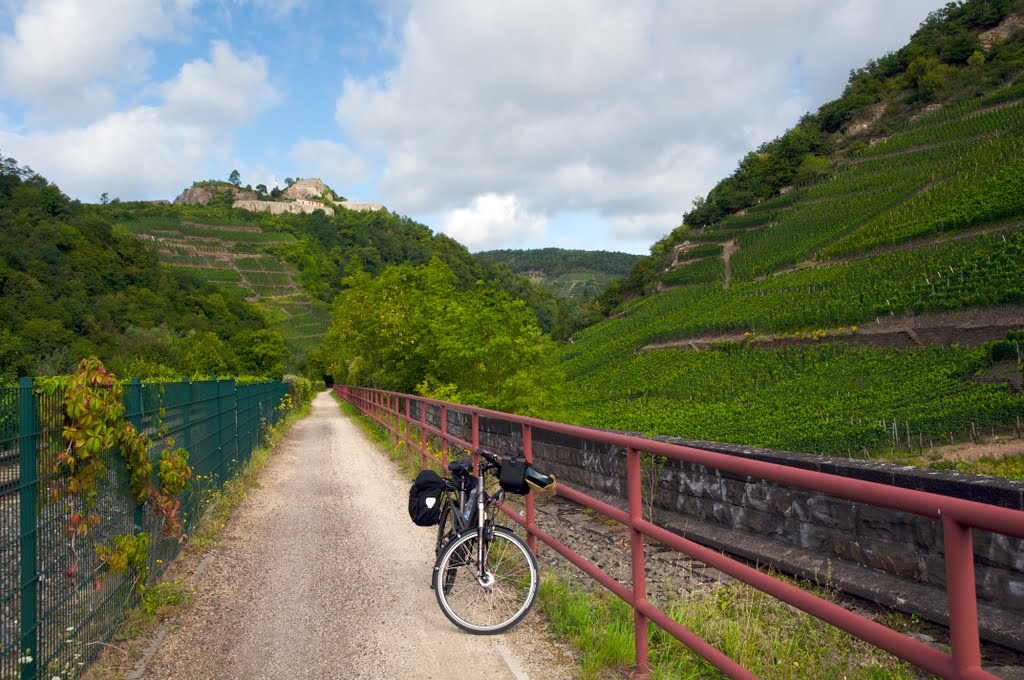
x=425, y=498
x=513, y=475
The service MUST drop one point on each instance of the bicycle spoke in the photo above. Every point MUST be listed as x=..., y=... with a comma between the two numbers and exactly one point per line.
x=510, y=594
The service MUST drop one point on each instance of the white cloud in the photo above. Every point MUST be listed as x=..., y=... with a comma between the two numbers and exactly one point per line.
x=152, y=151
x=69, y=56
x=491, y=220
x=629, y=108
x=330, y=161
x=223, y=92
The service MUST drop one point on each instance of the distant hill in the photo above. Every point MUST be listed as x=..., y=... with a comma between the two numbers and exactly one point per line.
x=291, y=265
x=566, y=273
x=857, y=285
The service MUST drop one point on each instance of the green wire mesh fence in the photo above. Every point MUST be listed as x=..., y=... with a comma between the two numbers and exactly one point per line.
x=57, y=602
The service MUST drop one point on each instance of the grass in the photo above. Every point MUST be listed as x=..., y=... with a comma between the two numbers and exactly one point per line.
x=1011, y=467
x=758, y=631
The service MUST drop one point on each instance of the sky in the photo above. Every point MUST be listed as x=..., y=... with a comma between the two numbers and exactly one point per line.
x=585, y=124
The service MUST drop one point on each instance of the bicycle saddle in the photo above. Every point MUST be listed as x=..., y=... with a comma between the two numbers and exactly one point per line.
x=458, y=468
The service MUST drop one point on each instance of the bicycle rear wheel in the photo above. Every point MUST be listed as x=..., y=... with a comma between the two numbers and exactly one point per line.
x=506, y=595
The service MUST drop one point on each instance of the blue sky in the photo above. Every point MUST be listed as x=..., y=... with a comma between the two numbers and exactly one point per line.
x=579, y=124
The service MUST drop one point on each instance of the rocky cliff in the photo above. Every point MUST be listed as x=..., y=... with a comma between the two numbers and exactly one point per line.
x=202, y=194
x=309, y=188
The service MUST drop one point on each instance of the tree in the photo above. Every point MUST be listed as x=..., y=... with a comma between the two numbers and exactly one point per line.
x=104, y=198
x=235, y=178
x=260, y=352
x=411, y=329
x=261, y=189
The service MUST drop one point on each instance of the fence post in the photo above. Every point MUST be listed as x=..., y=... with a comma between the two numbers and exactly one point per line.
x=134, y=413
x=186, y=413
x=28, y=498
x=226, y=425
x=636, y=544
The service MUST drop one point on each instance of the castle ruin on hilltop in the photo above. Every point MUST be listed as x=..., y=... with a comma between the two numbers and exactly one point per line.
x=302, y=196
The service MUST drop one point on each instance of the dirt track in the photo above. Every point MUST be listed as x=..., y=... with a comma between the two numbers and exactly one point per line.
x=321, y=574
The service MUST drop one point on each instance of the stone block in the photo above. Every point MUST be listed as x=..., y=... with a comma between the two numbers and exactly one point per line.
x=757, y=497
x=894, y=558
x=733, y=490
x=999, y=551
x=831, y=512
x=872, y=523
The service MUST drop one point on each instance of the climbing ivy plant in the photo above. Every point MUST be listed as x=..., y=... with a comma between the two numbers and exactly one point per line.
x=88, y=408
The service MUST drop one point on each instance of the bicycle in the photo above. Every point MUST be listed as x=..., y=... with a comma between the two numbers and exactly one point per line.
x=485, y=577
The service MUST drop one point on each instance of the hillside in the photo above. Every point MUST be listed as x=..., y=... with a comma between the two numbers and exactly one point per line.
x=73, y=284
x=790, y=307
x=291, y=265
x=566, y=273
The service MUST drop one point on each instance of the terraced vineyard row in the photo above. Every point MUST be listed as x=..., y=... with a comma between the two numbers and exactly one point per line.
x=981, y=271
x=937, y=182
x=816, y=399
x=230, y=256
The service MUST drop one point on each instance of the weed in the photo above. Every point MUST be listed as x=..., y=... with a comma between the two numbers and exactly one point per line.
x=753, y=628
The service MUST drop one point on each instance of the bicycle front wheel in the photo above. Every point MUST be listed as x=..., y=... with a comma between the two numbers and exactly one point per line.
x=502, y=598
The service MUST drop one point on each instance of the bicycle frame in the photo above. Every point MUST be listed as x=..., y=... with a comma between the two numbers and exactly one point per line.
x=456, y=500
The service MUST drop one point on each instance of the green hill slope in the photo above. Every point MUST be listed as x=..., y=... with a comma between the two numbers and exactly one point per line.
x=566, y=273
x=73, y=284
x=786, y=310
x=291, y=266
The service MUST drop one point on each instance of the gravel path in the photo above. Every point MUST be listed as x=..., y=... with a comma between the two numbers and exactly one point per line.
x=321, y=574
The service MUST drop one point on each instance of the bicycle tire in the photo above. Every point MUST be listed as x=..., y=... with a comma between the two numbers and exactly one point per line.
x=486, y=610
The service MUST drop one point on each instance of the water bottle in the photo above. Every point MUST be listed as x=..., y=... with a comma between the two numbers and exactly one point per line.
x=470, y=502
x=538, y=478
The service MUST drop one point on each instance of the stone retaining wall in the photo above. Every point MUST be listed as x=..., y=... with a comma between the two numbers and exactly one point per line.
x=893, y=558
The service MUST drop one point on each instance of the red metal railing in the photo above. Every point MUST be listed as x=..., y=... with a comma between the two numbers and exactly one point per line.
x=958, y=518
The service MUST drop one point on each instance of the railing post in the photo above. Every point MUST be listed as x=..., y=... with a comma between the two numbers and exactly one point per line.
x=407, y=436
x=636, y=544
x=960, y=592
x=423, y=432
x=392, y=427
x=28, y=498
x=475, y=440
x=444, y=439
x=531, y=517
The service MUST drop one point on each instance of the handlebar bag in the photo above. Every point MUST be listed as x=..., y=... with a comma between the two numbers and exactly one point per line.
x=512, y=476
x=425, y=498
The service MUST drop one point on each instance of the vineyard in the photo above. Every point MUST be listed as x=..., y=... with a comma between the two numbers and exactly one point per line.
x=927, y=219
x=945, y=172
x=232, y=256
x=822, y=399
